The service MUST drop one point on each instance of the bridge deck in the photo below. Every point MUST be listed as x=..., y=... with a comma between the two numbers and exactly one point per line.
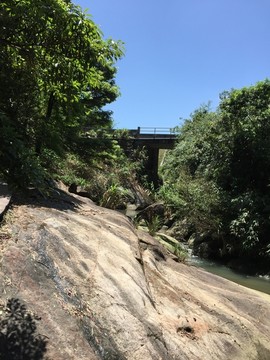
x=159, y=138
x=154, y=133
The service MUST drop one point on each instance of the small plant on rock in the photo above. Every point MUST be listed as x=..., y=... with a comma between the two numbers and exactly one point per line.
x=154, y=224
x=180, y=253
x=116, y=197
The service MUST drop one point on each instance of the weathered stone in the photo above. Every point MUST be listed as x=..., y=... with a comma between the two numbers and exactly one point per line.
x=101, y=295
x=5, y=197
x=150, y=212
x=180, y=230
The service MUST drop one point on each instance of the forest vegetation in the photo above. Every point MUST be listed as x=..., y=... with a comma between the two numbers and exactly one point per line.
x=218, y=177
x=56, y=75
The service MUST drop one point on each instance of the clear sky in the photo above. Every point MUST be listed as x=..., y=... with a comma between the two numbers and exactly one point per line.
x=180, y=54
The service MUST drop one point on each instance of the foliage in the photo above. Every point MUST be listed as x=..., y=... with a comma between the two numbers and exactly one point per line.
x=137, y=155
x=18, y=338
x=56, y=74
x=180, y=253
x=189, y=188
x=193, y=196
x=115, y=197
x=218, y=175
x=102, y=175
x=173, y=246
x=154, y=224
x=18, y=162
x=246, y=227
x=98, y=164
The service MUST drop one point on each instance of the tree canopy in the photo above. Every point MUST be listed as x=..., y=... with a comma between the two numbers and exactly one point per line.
x=218, y=176
x=56, y=74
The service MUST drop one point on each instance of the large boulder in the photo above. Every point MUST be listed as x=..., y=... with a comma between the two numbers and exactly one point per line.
x=102, y=290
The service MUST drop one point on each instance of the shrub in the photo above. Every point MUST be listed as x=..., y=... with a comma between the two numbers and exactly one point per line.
x=154, y=224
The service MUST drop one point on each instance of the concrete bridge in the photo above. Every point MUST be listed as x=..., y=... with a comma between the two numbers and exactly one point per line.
x=153, y=139
x=156, y=137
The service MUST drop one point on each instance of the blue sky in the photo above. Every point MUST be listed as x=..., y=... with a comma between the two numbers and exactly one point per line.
x=180, y=54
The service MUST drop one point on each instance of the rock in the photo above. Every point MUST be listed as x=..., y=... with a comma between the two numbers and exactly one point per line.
x=180, y=230
x=150, y=212
x=5, y=197
x=104, y=291
x=75, y=189
x=206, y=246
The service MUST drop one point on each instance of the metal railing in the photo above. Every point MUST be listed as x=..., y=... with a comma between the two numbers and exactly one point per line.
x=139, y=133
x=156, y=130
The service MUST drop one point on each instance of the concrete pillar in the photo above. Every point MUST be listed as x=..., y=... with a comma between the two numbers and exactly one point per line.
x=152, y=166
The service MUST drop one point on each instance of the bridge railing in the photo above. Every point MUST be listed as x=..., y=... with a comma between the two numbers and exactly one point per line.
x=154, y=132
x=139, y=133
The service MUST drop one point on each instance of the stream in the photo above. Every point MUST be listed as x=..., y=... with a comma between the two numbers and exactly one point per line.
x=260, y=283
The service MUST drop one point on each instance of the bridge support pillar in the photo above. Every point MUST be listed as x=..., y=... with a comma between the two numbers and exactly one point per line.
x=150, y=139
x=152, y=167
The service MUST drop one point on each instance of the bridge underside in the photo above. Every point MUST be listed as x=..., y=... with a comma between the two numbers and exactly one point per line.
x=152, y=140
x=152, y=164
x=152, y=148
x=155, y=143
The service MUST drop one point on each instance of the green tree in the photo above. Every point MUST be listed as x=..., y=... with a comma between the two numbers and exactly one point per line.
x=56, y=74
x=218, y=175
x=245, y=117
x=246, y=122
x=189, y=187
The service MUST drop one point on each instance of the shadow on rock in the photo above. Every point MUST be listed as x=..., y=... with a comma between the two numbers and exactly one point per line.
x=18, y=338
x=55, y=199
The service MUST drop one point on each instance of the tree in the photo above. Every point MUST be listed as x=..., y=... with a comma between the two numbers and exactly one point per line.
x=246, y=120
x=56, y=73
x=220, y=170
x=189, y=187
x=246, y=117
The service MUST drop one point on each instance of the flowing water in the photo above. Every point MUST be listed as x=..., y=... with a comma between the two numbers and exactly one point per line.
x=260, y=283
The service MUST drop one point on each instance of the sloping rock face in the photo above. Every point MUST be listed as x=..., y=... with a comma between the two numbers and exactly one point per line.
x=105, y=291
